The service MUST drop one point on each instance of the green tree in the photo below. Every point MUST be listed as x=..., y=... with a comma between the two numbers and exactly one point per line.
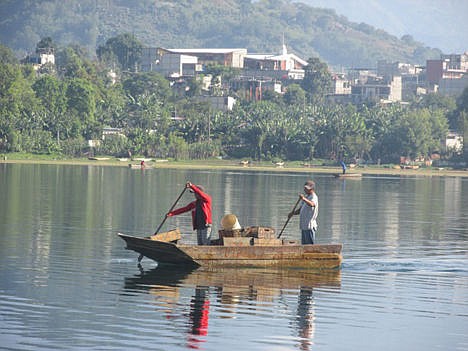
x=295, y=95
x=222, y=73
x=147, y=83
x=72, y=62
x=196, y=125
x=258, y=124
x=10, y=103
x=147, y=97
x=380, y=121
x=51, y=93
x=45, y=45
x=20, y=110
x=7, y=56
x=146, y=112
x=317, y=80
x=81, y=107
x=124, y=49
x=111, y=106
x=414, y=133
x=438, y=102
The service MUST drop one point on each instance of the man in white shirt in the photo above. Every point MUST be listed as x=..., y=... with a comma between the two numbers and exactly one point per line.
x=308, y=212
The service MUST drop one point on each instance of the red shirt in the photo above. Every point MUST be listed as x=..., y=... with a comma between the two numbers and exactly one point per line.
x=205, y=205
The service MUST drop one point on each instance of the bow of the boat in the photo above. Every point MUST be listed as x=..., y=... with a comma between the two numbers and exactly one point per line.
x=159, y=251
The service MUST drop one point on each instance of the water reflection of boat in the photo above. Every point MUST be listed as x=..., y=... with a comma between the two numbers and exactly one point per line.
x=267, y=278
x=279, y=254
x=233, y=289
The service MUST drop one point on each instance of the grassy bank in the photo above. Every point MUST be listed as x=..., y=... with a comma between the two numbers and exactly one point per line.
x=231, y=165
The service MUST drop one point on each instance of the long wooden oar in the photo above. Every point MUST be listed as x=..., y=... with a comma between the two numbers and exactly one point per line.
x=164, y=220
x=289, y=218
x=165, y=217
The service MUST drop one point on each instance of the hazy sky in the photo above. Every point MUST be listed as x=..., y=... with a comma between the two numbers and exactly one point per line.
x=441, y=24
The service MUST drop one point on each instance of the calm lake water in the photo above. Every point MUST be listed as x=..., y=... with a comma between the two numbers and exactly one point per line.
x=67, y=282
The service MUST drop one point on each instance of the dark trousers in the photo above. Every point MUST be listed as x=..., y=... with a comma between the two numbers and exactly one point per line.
x=308, y=236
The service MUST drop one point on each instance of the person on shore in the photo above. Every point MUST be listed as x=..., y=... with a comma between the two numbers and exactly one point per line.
x=308, y=212
x=201, y=213
x=343, y=166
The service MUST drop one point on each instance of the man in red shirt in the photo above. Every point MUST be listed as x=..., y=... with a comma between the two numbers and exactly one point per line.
x=201, y=213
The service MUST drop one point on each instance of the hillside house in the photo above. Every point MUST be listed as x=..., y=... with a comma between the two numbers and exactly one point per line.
x=282, y=66
x=171, y=65
x=43, y=57
x=225, y=57
x=220, y=103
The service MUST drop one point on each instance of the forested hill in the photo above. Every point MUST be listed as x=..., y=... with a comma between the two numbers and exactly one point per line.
x=258, y=26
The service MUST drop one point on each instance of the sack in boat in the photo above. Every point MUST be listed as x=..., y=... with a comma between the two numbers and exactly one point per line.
x=230, y=222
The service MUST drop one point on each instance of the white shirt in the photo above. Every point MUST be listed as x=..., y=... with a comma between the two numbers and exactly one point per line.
x=308, y=214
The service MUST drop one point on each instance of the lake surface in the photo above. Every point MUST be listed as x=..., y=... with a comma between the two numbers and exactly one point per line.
x=67, y=282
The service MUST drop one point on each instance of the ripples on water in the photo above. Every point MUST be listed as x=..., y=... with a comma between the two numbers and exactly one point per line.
x=66, y=282
x=116, y=306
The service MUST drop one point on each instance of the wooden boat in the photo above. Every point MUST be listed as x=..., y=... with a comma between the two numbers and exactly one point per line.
x=98, y=158
x=236, y=252
x=136, y=166
x=347, y=175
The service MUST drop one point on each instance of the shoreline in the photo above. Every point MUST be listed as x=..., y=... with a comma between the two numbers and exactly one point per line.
x=236, y=165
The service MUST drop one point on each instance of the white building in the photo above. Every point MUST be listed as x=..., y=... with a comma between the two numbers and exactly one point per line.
x=454, y=142
x=221, y=103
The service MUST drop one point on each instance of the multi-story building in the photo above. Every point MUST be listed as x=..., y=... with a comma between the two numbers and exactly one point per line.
x=447, y=75
x=341, y=85
x=378, y=89
x=412, y=80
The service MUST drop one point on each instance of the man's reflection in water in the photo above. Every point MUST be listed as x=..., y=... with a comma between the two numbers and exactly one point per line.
x=198, y=317
x=305, y=318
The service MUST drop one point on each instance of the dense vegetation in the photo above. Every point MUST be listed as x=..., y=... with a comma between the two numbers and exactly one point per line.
x=259, y=26
x=58, y=109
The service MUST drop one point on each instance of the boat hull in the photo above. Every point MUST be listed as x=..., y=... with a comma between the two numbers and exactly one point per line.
x=347, y=175
x=291, y=256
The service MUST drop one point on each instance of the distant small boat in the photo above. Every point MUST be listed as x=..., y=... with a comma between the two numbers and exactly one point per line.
x=98, y=158
x=347, y=175
x=409, y=166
